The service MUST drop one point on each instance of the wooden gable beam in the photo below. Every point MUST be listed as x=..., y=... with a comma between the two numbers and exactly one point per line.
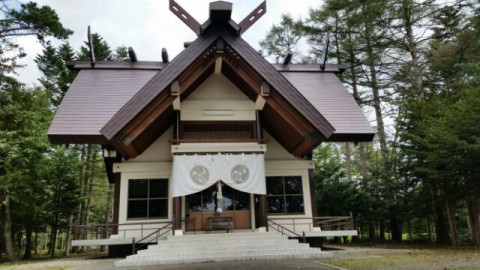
x=183, y=15
x=297, y=135
x=253, y=17
x=134, y=138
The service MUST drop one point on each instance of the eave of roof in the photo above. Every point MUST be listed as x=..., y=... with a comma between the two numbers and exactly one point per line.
x=143, y=65
x=279, y=82
x=156, y=85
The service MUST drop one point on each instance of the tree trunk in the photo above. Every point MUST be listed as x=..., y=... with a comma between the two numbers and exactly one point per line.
x=28, y=244
x=396, y=227
x=450, y=207
x=438, y=215
x=68, y=235
x=7, y=226
x=53, y=236
x=93, y=166
x=106, y=214
x=348, y=162
x=473, y=214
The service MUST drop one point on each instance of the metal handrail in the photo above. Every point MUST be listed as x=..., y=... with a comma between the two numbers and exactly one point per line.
x=325, y=223
x=283, y=229
x=106, y=230
x=135, y=248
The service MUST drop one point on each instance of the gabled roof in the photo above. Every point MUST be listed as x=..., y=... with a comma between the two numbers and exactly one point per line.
x=128, y=106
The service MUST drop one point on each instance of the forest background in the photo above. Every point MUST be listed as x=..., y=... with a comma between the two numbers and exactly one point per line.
x=410, y=64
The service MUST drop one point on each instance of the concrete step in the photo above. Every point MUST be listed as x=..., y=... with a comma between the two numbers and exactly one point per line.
x=221, y=252
x=222, y=247
x=194, y=247
x=257, y=235
x=236, y=257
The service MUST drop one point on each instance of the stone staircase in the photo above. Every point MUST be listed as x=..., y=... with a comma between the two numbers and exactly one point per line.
x=222, y=247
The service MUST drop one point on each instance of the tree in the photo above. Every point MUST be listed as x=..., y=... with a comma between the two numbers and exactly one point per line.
x=28, y=20
x=100, y=48
x=56, y=76
x=63, y=190
x=284, y=38
x=24, y=116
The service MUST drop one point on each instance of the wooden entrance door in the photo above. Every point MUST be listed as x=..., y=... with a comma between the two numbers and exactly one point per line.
x=202, y=205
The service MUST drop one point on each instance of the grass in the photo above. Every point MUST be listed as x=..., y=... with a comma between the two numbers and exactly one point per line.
x=407, y=258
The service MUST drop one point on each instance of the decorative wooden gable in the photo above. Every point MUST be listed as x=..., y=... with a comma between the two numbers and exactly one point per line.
x=128, y=105
x=288, y=116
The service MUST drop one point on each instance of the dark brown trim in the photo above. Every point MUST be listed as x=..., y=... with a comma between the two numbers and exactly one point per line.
x=141, y=65
x=253, y=17
x=116, y=201
x=279, y=83
x=77, y=139
x=365, y=137
x=177, y=213
x=157, y=85
x=313, y=194
x=261, y=217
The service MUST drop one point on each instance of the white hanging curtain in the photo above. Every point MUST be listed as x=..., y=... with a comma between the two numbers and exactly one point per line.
x=244, y=172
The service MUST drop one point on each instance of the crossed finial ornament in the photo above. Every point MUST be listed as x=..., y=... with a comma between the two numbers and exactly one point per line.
x=219, y=11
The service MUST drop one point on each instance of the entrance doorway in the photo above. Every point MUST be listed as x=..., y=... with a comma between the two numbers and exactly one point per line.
x=202, y=205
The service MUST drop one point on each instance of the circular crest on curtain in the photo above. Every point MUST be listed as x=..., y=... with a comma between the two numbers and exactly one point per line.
x=199, y=174
x=239, y=174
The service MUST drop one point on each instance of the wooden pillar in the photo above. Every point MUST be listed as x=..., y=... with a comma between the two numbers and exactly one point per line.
x=313, y=195
x=260, y=200
x=176, y=126
x=177, y=214
x=116, y=201
x=259, y=126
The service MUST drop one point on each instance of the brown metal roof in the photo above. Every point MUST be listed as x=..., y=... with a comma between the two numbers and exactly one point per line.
x=151, y=65
x=156, y=85
x=94, y=97
x=329, y=97
x=279, y=83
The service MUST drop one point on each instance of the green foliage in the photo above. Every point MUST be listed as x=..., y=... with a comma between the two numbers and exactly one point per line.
x=284, y=38
x=30, y=19
x=56, y=76
x=100, y=48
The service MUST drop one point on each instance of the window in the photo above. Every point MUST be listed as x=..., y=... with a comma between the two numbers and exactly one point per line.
x=147, y=198
x=285, y=195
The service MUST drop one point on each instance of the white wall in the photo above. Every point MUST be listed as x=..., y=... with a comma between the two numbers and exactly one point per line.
x=217, y=99
x=159, y=151
x=216, y=93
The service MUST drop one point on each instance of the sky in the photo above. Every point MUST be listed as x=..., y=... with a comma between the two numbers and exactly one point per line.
x=149, y=25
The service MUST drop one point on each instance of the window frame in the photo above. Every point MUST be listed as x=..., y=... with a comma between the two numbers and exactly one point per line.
x=148, y=199
x=284, y=195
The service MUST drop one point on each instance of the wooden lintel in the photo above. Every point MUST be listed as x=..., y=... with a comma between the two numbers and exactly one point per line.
x=259, y=103
x=265, y=90
x=218, y=65
x=176, y=104
x=175, y=89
